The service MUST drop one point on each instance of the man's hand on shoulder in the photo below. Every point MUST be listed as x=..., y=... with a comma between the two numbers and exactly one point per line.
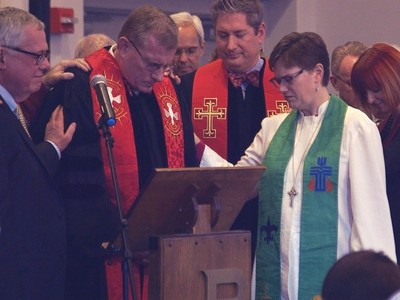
x=55, y=130
x=174, y=77
x=58, y=72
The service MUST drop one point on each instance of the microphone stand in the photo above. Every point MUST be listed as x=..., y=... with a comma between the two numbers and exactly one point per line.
x=126, y=265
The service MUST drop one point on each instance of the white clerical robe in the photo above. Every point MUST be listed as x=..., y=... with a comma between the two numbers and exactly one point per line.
x=364, y=221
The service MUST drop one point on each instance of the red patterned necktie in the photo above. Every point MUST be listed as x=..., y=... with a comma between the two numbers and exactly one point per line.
x=252, y=77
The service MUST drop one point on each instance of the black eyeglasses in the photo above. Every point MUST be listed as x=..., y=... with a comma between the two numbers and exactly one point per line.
x=342, y=80
x=151, y=66
x=40, y=57
x=286, y=80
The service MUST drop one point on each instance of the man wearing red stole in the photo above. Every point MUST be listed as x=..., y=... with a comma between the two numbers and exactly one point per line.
x=230, y=97
x=153, y=130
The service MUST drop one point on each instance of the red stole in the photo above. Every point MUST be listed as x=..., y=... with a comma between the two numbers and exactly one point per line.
x=172, y=120
x=210, y=104
x=124, y=150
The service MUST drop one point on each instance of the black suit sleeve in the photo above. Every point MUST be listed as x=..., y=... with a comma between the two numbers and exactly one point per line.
x=49, y=157
x=186, y=89
x=185, y=105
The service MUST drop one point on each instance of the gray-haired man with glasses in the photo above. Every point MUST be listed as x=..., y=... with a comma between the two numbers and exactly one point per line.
x=191, y=43
x=343, y=59
x=32, y=217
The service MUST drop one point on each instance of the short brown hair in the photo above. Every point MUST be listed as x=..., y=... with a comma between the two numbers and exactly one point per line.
x=304, y=50
x=253, y=9
x=150, y=20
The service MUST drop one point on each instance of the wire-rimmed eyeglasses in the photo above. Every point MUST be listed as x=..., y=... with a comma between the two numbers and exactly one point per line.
x=40, y=57
x=151, y=66
x=286, y=80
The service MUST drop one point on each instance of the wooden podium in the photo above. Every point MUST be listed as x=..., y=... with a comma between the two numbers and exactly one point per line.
x=182, y=217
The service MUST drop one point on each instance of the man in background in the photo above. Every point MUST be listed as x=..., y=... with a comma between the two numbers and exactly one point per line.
x=191, y=43
x=342, y=61
x=91, y=43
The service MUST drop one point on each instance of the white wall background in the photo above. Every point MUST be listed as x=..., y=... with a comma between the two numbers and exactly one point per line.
x=108, y=17
x=337, y=21
x=61, y=45
x=24, y=4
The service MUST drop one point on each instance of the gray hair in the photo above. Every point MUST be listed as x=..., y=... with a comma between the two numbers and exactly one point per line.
x=92, y=42
x=253, y=9
x=353, y=48
x=13, y=24
x=184, y=18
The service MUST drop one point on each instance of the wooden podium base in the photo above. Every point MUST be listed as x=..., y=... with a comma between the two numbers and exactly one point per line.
x=186, y=213
x=200, y=266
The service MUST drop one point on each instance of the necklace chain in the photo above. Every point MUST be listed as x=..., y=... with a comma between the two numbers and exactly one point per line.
x=293, y=192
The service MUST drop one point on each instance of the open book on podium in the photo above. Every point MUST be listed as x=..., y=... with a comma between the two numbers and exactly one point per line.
x=164, y=217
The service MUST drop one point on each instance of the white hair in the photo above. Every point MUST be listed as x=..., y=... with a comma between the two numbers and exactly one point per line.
x=184, y=18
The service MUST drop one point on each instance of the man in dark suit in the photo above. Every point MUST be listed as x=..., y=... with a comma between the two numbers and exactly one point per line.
x=32, y=222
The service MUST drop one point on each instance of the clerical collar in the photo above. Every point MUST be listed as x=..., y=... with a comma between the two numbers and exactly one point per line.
x=321, y=110
x=112, y=49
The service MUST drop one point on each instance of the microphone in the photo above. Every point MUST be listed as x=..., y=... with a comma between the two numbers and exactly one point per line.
x=99, y=83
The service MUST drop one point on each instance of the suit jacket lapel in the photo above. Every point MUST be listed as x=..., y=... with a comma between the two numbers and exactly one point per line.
x=6, y=113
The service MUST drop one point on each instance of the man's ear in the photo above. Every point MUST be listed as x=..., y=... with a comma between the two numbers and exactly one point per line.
x=334, y=81
x=123, y=45
x=261, y=34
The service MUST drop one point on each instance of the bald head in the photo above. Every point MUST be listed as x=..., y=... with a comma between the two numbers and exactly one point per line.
x=91, y=43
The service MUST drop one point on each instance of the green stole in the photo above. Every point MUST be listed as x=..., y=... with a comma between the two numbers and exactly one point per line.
x=319, y=211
